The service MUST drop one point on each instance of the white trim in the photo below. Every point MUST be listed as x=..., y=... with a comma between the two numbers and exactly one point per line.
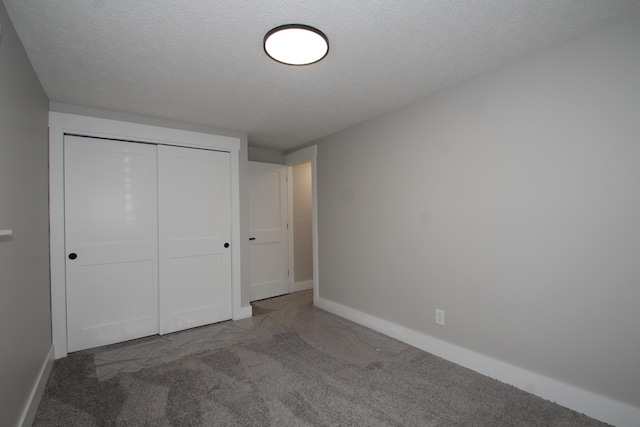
x=237, y=311
x=291, y=255
x=31, y=407
x=63, y=123
x=127, y=131
x=577, y=399
x=302, y=156
x=301, y=286
x=243, y=313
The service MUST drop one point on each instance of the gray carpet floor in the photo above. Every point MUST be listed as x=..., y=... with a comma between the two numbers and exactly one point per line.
x=291, y=364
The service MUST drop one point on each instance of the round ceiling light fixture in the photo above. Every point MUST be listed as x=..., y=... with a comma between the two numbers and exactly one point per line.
x=296, y=44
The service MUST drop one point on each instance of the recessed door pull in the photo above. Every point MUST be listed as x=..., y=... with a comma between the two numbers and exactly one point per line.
x=252, y=238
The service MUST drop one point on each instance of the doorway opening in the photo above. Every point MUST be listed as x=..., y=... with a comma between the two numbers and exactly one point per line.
x=301, y=202
x=304, y=275
x=307, y=156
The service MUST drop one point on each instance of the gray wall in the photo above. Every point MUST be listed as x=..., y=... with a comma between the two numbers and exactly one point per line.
x=302, y=235
x=25, y=316
x=512, y=202
x=266, y=155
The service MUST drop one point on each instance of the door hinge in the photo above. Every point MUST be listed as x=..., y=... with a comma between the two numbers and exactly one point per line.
x=287, y=226
x=287, y=272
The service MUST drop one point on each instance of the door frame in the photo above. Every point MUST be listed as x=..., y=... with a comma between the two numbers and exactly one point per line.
x=308, y=154
x=61, y=124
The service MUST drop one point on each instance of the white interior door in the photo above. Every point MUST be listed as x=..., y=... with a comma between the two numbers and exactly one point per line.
x=268, y=246
x=111, y=241
x=195, y=223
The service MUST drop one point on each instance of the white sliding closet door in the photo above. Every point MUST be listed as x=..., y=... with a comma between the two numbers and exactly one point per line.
x=111, y=241
x=195, y=258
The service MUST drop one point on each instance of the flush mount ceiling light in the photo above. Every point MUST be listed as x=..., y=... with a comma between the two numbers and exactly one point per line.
x=296, y=44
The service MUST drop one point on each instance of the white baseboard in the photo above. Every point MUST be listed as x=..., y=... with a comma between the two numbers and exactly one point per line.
x=30, y=409
x=301, y=286
x=243, y=313
x=577, y=399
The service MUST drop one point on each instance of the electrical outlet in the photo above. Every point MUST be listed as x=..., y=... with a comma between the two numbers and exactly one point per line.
x=440, y=317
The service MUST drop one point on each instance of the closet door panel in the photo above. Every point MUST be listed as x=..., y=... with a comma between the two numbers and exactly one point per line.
x=111, y=241
x=195, y=223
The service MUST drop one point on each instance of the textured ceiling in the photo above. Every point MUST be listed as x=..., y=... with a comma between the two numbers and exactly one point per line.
x=201, y=61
